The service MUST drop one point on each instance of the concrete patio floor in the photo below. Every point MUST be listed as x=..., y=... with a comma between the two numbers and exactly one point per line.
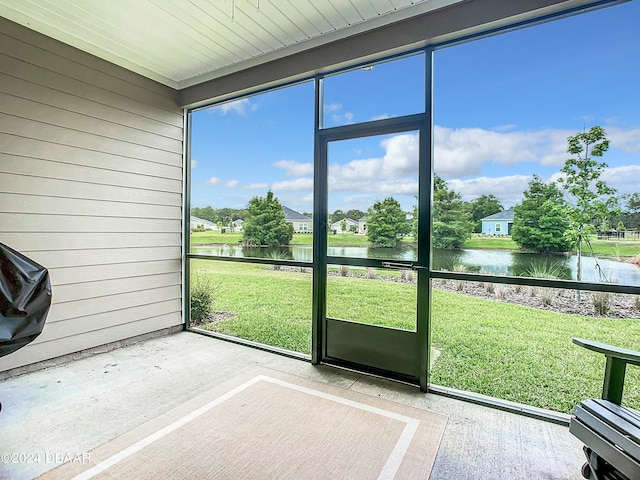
x=71, y=408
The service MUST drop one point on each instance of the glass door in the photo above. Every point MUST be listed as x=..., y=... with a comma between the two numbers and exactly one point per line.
x=373, y=261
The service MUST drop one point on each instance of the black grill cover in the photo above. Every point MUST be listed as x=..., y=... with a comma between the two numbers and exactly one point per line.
x=25, y=298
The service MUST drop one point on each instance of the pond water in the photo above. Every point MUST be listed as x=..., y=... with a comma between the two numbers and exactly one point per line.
x=498, y=262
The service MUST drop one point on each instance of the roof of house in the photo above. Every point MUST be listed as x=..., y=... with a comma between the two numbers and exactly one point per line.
x=348, y=220
x=506, y=215
x=201, y=220
x=293, y=215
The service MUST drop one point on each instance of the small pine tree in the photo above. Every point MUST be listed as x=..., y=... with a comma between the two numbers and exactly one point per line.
x=386, y=223
x=264, y=222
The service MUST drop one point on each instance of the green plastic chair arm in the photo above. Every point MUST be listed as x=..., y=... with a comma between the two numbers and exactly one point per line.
x=615, y=369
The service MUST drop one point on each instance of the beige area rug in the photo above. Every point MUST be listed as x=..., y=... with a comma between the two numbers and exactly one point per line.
x=272, y=425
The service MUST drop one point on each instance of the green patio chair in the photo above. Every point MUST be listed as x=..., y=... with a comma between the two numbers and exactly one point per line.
x=609, y=431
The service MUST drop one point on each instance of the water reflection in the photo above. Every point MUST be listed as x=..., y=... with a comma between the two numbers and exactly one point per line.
x=497, y=262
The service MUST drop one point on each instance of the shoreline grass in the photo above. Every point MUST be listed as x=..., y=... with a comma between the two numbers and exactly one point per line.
x=508, y=351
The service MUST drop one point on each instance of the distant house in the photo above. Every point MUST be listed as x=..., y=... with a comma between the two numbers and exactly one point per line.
x=362, y=225
x=350, y=222
x=498, y=224
x=237, y=225
x=301, y=223
x=196, y=222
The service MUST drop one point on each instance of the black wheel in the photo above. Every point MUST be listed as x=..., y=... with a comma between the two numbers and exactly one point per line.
x=586, y=470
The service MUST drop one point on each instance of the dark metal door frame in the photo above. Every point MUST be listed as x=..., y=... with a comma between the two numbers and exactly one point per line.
x=394, y=353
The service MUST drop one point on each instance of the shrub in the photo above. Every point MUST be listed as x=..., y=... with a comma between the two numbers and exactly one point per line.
x=201, y=295
x=408, y=275
x=459, y=268
x=277, y=255
x=371, y=273
x=545, y=296
x=545, y=270
x=601, y=302
x=344, y=270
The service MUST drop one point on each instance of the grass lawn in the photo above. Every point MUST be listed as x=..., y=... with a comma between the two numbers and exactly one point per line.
x=498, y=349
x=491, y=242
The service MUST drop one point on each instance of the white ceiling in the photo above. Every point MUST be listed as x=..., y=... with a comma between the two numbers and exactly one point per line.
x=184, y=42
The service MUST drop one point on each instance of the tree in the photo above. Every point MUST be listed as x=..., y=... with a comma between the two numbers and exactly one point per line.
x=206, y=213
x=482, y=207
x=540, y=222
x=632, y=203
x=630, y=215
x=355, y=214
x=264, y=222
x=386, y=223
x=343, y=225
x=452, y=223
x=335, y=216
x=591, y=200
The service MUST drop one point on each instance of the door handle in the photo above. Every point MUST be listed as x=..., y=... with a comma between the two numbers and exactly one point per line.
x=403, y=266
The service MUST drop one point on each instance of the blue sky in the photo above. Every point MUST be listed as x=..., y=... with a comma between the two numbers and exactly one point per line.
x=503, y=109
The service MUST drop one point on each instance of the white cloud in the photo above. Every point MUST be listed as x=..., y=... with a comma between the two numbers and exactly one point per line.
x=194, y=164
x=337, y=114
x=332, y=107
x=356, y=171
x=294, y=169
x=401, y=156
x=625, y=179
x=254, y=186
x=382, y=116
x=627, y=140
x=298, y=184
x=462, y=152
x=239, y=107
x=212, y=181
x=461, y=157
x=508, y=189
x=232, y=184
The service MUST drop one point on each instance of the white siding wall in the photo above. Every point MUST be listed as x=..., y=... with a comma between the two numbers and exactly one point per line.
x=91, y=188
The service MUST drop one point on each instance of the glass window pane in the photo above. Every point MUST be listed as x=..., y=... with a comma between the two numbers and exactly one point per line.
x=373, y=188
x=514, y=342
x=501, y=142
x=241, y=151
x=376, y=296
x=268, y=304
x=383, y=90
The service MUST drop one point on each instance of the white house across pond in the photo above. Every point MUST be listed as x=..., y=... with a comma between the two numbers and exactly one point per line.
x=350, y=226
x=301, y=223
x=201, y=223
x=498, y=224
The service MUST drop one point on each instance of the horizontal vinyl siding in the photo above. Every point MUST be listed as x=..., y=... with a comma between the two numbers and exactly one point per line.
x=91, y=188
